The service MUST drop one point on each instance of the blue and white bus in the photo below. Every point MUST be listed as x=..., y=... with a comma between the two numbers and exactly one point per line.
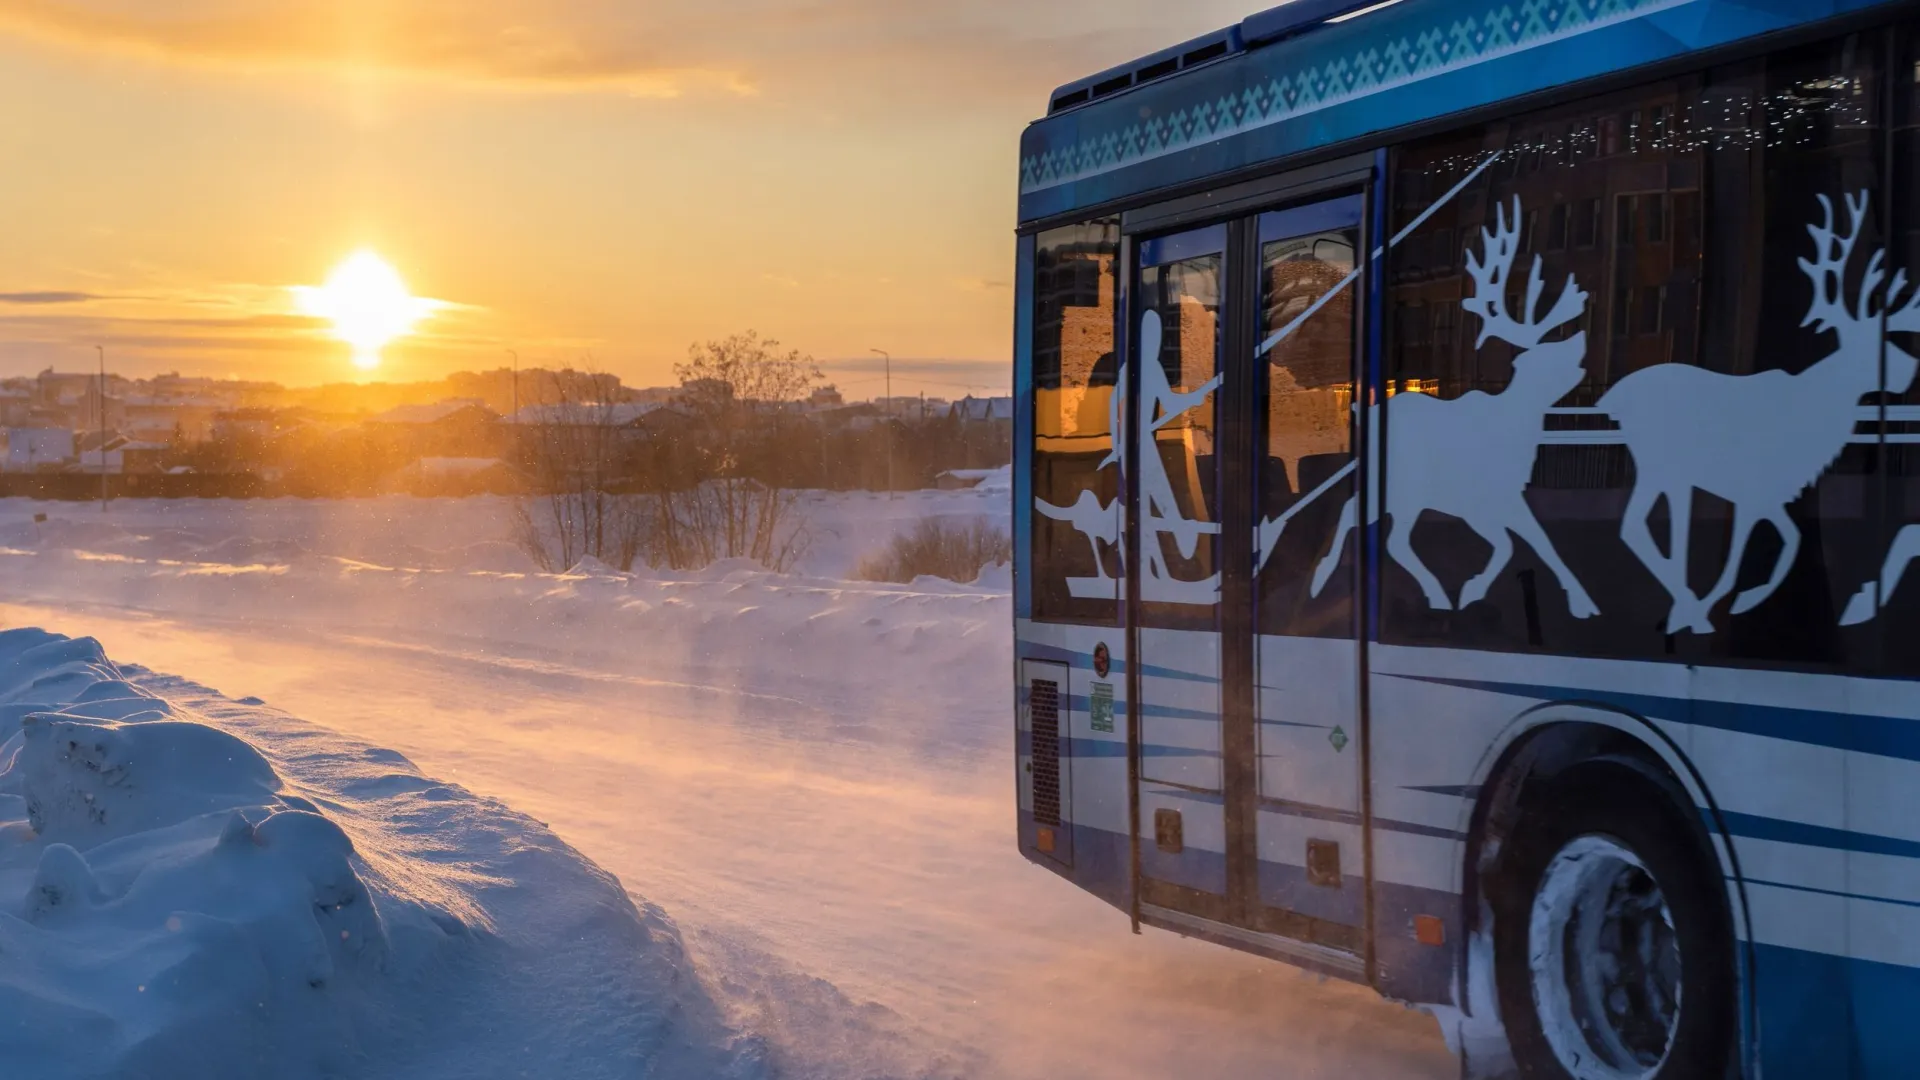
x=1467, y=455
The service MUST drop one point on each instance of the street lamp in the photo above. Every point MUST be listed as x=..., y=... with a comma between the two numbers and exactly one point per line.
x=516, y=385
x=887, y=413
x=102, y=351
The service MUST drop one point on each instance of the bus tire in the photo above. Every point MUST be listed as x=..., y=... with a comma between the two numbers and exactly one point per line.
x=1607, y=902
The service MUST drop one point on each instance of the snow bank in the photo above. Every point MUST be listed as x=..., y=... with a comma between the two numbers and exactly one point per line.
x=192, y=887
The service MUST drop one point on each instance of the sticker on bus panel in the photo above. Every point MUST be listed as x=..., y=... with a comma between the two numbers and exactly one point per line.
x=1100, y=706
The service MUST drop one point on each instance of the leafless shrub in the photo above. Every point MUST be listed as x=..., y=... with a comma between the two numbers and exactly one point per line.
x=737, y=393
x=575, y=454
x=683, y=494
x=942, y=547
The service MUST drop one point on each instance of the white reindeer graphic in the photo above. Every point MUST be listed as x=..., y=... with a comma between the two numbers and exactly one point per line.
x=1866, y=603
x=1472, y=456
x=1756, y=440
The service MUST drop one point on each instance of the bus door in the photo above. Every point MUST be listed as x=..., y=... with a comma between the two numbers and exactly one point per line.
x=1242, y=357
x=1312, y=867
x=1179, y=308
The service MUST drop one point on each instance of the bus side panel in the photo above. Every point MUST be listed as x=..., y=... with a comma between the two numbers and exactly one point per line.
x=1093, y=749
x=1811, y=783
x=1818, y=780
x=1426, y=749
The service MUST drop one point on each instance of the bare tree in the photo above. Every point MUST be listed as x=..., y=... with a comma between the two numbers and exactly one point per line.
x=577, y=454
x=739, y=393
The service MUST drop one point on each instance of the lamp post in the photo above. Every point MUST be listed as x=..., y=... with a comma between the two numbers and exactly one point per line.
x=887, y=412
x=102, y=351
x=516, y=384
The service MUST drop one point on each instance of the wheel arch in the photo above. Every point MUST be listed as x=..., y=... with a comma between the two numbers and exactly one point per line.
x=1550, y=738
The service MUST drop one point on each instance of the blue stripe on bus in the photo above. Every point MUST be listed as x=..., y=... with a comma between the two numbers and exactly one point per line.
x=1156, y=789
x=1884, y=736
x=1756, y=827
x=1460, y=791
x=1312, y=812
x=1113, y=748
x=1830, y=892
x=1031, y=650
x=1350, y=817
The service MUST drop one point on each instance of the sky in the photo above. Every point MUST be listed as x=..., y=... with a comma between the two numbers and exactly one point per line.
x=599, y=183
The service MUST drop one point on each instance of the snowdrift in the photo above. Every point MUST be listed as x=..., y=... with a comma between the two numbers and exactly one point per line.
x=193, y=887
x=424, y=574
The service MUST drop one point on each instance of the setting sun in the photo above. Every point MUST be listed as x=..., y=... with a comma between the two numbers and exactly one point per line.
x=367, y=303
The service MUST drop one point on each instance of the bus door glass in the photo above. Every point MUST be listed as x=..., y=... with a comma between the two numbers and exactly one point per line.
x=1178, y=321
x=1311, y=877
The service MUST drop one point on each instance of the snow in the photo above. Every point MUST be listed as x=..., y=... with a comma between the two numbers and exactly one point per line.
x=191, y=887
x=812, y=775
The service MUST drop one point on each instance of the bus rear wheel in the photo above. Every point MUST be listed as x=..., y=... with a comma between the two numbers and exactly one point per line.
x=1613, y=949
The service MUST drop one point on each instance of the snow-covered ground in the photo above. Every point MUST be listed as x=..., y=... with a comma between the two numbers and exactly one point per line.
x=810, y=777
x=196, y=887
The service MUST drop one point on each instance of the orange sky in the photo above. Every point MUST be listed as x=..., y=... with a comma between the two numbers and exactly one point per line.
x=611, y=179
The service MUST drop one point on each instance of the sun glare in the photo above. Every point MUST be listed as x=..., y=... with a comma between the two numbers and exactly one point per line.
x=367, y=303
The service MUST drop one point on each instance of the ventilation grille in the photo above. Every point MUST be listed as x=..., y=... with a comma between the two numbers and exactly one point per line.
x=1044, y=706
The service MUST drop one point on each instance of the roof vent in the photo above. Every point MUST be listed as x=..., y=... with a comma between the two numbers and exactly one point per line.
x=1204, y=53
x=1154, y=71
x=1146, y=69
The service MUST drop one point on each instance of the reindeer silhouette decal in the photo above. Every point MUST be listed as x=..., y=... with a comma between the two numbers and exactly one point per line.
x=1757, y=440
x=1471, y=456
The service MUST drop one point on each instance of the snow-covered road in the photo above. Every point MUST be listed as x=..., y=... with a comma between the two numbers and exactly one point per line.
x=834, y=840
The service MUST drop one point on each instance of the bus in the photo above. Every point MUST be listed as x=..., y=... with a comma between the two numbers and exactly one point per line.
x=1465, y=483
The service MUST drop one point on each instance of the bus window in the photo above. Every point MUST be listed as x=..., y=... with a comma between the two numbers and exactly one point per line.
x=1649, y=526
x=1306, y=276
x=1076, y=475
x=1184, y=296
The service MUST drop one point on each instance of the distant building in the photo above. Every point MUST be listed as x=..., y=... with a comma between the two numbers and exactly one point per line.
x=16, y=407
x=37, y=449
x=451, y=411
x=587, y=413
x=971, y=409
x=162, y=419
x=825, y=397
x=255, y=423
x=458, y=476
x=655, y=395
x=122, y=455
x=66, y=388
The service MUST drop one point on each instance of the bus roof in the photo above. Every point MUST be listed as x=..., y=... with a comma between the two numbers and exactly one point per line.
x=1318, y=73
x=1261, y=28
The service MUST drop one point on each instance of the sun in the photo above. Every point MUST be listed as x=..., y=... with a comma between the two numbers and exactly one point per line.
x=367, y=303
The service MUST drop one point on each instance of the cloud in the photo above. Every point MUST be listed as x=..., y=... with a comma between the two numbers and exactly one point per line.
x=49, y=297
x=645, y=47
x=529, y=42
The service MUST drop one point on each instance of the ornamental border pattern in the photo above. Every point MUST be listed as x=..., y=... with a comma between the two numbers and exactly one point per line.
x=1374, y=68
